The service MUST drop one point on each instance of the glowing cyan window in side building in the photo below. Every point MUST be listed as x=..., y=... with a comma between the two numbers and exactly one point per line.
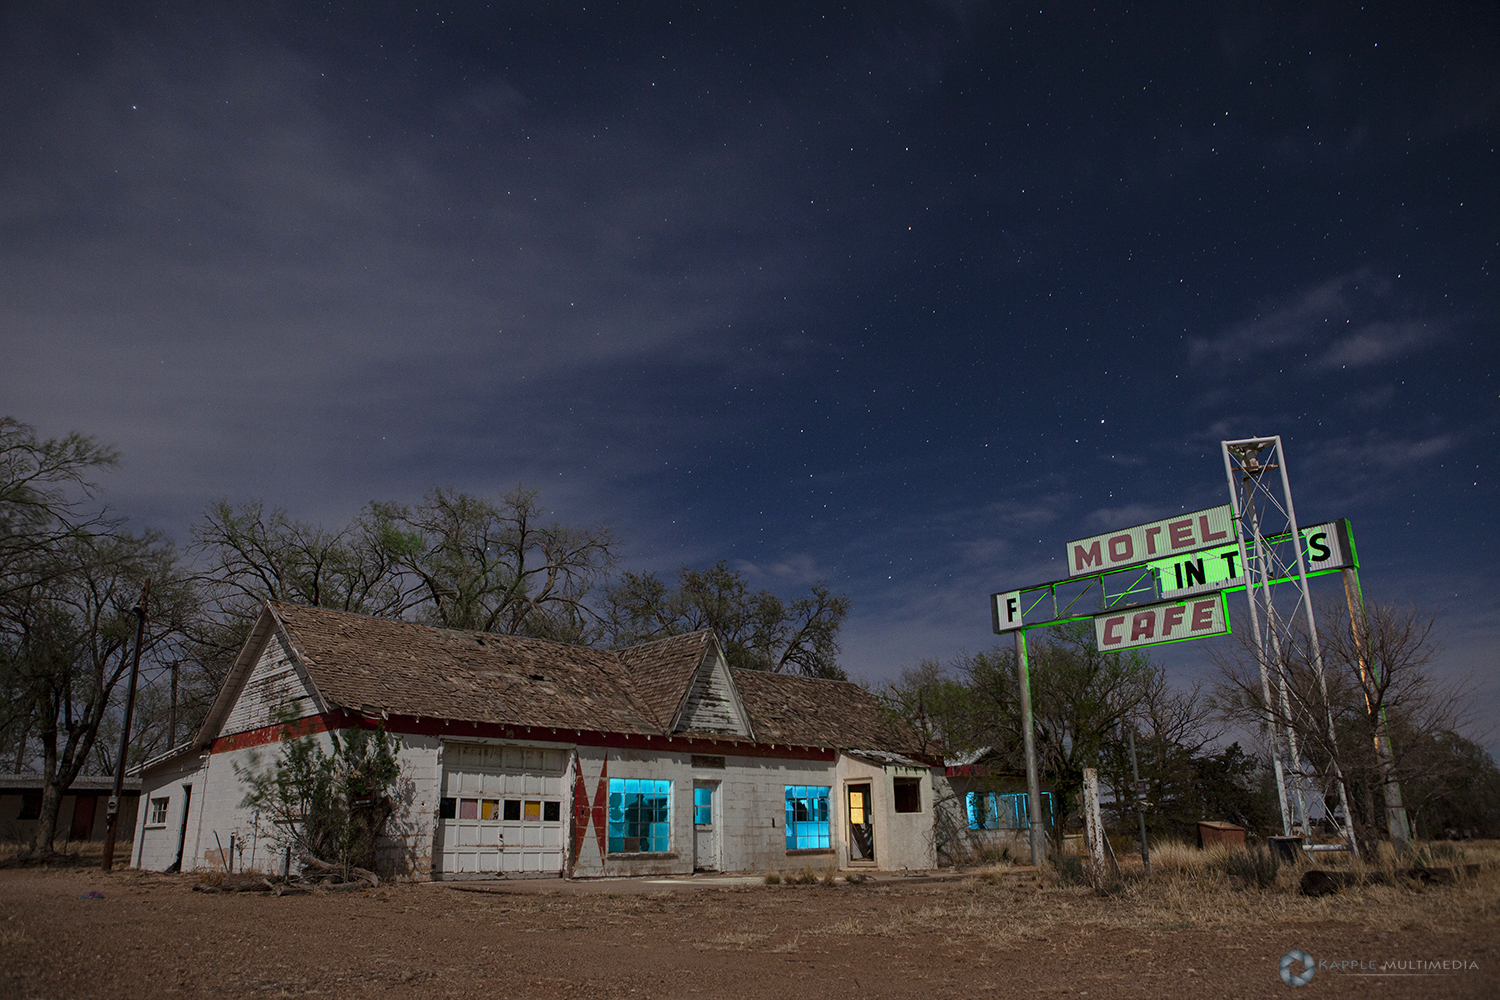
x=639, y=816
x=807, y=817
x=1003, y=811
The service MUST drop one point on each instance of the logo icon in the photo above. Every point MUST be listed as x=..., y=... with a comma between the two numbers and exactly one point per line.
x=1297, y=978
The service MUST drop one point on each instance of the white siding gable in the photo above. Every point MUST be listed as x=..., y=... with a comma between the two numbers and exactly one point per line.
x=711, y=705
x=275, y=691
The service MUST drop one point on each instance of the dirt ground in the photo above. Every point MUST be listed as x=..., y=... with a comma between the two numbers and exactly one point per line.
x=972, y=936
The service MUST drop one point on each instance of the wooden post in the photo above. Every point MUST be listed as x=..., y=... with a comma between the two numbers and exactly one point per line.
x=1094, y=827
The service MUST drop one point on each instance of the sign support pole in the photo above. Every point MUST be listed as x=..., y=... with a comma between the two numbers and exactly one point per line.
x=1033, y=783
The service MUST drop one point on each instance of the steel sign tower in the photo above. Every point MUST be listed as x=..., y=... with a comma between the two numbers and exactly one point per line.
x=1261, y=497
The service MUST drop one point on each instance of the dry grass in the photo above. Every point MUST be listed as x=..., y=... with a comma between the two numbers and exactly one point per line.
x=73, y=852
x=1192, y=889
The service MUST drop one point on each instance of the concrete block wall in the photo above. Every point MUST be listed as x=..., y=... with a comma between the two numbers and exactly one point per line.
x=902, y=840
x=750, y=806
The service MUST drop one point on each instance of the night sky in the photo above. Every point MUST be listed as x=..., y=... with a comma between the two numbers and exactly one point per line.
x=902, y=296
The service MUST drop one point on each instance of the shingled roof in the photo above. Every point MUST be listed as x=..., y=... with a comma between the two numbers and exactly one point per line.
x=807, y=711
x=405, y=668
x=384, y=666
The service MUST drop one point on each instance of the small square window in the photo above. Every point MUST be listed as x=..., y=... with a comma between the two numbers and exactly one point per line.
x=159, y=811
x=447, y=808
x=489, y=809
x=551, y=812
x=908, y=795
x=512, y=810
x=533, y=811
x=468, y=808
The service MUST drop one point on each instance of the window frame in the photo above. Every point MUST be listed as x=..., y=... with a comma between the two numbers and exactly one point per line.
x=914, y=790
x=654, y=819
x=814, y=831
x=163, y=805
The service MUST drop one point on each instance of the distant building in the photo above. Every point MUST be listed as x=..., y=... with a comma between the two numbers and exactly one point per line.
x=80, y=817
x=983, y=810
x=524, y=757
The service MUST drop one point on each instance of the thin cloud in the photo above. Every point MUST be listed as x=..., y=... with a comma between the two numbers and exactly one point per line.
x=1377, y=342
x=1283, y=326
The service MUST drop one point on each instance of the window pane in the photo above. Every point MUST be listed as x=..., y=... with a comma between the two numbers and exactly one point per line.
x=807, y=817
x=488, y=809
x=512, y=810
x=551, y=812
x=639, y=815
x=533, y=811
x=468, y=808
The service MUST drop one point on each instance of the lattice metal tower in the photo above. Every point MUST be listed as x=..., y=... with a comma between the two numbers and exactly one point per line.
x=1261, y=496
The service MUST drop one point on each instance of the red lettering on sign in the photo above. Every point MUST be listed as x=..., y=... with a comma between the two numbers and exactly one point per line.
x=1110, y=624
x=1143, y=625
x=1151, y=534
x=1084, y=558
x=1121, y=548
x=1203, y=614
x=1209, y=536
x=1180, y=533
x=1171, y=618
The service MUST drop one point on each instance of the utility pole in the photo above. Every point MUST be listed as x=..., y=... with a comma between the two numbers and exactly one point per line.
x=112, y=816
x=172, y=715
x=1033, y=782
x=1140, y=797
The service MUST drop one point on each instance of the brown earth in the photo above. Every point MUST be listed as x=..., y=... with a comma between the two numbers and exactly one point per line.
x=961, y=936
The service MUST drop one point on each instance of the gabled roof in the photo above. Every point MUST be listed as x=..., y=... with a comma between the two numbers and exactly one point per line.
x=663, y=670
x=384, y=667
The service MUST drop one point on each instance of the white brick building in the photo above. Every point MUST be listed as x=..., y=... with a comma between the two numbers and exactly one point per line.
x=520, y=756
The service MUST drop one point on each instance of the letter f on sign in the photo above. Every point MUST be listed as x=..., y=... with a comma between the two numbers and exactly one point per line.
x=1007, y=611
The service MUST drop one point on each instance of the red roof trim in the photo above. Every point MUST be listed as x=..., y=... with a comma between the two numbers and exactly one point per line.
x=398, y=725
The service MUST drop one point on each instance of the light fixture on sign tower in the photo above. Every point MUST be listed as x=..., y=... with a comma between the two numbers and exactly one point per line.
x=1271, y=550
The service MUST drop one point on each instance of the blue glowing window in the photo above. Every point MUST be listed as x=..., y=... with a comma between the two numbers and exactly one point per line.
x=996, y=811
x=703, y=806
x=639, y=816
x=807, y=817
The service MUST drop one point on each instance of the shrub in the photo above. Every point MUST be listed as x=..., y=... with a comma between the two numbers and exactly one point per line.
x=333, y=806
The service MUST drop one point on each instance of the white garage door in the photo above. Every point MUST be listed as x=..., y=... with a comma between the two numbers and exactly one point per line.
x=501, y=811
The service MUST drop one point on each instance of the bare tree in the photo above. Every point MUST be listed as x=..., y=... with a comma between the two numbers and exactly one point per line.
x=759, y=630
x=495, y=565
x=69, y=642
x=1378, y=680
x=1079, y=696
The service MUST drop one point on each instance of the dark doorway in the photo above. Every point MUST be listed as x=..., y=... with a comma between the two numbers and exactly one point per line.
x=187, y=800
x=861, y=829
